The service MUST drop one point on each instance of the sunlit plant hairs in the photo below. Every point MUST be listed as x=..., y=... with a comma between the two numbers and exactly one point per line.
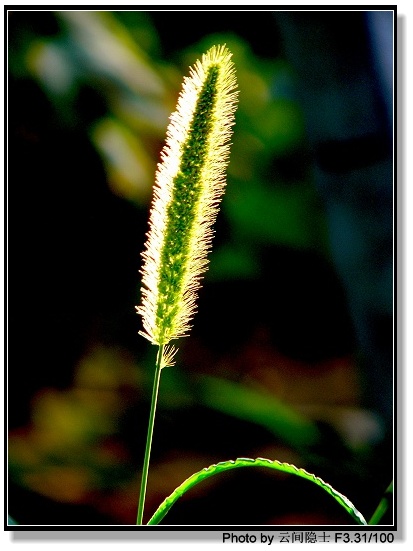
x=189, y=184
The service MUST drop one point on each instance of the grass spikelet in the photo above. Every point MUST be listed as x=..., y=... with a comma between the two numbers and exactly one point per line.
x=168, y=356
x=189, y=184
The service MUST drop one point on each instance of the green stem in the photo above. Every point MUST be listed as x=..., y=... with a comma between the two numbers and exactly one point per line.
x=145, y=469
x=382, y=506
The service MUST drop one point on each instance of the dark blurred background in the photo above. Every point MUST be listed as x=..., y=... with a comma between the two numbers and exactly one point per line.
x=291, y=353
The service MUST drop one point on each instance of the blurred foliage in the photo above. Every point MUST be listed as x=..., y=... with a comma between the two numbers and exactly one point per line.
x=105, y=75
x=114, y=58
x=92, y=53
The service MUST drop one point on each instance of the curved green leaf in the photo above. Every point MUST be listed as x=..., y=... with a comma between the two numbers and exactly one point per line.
x=247, y=462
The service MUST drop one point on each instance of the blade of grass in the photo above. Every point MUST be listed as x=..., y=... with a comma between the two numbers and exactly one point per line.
x=259, y=462
x=382, y=506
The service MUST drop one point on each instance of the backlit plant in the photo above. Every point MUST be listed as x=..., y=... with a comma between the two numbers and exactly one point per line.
x=189, y=185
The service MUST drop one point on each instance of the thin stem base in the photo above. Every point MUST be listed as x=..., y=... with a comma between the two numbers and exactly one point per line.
x=148, y=446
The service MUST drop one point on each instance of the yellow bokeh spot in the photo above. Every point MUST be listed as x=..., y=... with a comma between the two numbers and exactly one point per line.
x=130, y=169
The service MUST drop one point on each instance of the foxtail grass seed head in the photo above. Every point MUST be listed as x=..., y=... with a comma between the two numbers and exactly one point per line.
x=189, y=184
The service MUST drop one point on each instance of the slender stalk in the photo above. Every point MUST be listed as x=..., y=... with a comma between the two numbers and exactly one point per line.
x=382, y=506
x=154, y=401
